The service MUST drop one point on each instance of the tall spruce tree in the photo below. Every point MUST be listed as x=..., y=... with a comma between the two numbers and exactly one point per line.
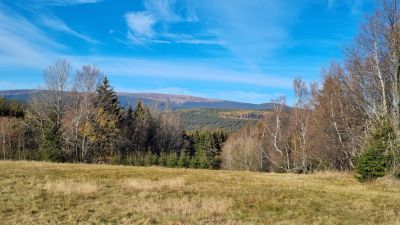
x=105, y=128
x=142, y=124
x=128, y=131
x=107, y=99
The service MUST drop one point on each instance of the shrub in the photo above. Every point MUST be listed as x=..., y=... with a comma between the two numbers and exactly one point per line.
x=162, y=159
x=193, y=163
x=371, y=164
x=172, y=159
x=183, y=160
x=375, y=160
x=154, y=159
x=202, y=160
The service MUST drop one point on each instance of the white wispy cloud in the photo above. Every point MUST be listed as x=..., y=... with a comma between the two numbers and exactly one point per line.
x=142, y=24
x=353, y=6
x=168, y=11
x=331, y=4
x=181, y=38
x=163, y=10
x=252, y=30
x=22, y=43
x=194, y=41
x=59, y=25
x=39, y=3
x=208, y=71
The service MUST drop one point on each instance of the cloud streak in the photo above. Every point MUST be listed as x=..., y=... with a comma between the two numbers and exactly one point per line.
x=17, y=49
x=140, y=26
x=41, y=3
x=252, y=30
x=182, y=70
x=152, y=24
x=59, y=25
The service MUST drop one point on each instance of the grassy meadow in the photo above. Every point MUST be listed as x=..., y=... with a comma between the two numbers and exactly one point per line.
x=50, y=193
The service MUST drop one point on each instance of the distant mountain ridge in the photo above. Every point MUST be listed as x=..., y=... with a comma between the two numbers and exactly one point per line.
x=160, y=101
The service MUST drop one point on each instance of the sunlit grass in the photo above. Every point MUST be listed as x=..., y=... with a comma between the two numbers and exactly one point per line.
x=49, y=193
x=70, y=187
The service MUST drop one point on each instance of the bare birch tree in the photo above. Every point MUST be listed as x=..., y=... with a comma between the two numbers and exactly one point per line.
x=48, y=106
x=81, y=109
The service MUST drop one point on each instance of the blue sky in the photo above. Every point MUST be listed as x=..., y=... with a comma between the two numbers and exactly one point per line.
x=242, y=50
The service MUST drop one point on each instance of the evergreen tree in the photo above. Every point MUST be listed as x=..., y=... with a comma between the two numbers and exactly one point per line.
x=107, y=99
x=162, y=159
x=128, y=130
x=203, y=161
x=184, y=159
x=52, y=143
x=172, y=159
x=375, y=161
x=104, y=133
x=105, y=128
x=142, y=120
x=11, y=108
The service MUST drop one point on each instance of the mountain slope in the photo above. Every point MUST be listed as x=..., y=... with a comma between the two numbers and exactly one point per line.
x=160, y=101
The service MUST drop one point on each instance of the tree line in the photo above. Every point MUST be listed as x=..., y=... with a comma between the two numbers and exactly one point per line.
x=351, y=122
x=78, y=118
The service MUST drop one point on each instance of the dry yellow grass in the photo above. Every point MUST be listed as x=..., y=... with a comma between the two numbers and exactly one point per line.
x=147, y=185
x=70, y=187
x=49, y=193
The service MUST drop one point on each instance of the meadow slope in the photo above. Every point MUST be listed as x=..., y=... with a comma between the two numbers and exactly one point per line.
x=50, y=193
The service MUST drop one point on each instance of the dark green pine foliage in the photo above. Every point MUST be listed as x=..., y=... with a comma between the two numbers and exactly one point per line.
x=107, y=99
x=375, y=160
x=142, y=122
x=128, y=130
x=137, y=131
x=207, y=147
x=11, y=108
x=109, y=122
x=52, y=144
x=162, y=159
x=172, y=159
x=53, y=138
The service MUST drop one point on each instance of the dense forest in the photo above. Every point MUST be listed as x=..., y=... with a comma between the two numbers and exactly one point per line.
x=349, y=122
x=225, y=119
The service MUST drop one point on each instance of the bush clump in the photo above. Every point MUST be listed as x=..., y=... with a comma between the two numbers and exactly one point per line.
x=376, y=159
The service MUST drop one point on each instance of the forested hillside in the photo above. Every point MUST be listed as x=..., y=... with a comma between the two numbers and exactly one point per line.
x=225, y=119
x=216, y=114
x=158, y=101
